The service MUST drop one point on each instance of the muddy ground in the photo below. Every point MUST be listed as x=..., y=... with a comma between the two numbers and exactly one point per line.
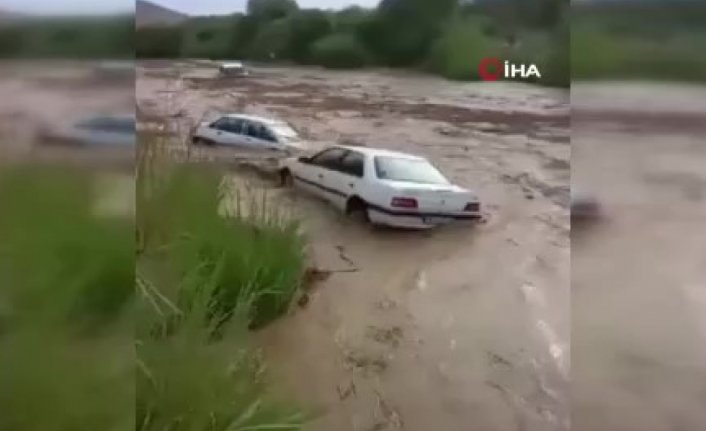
x=639, y=274
x=456, y=329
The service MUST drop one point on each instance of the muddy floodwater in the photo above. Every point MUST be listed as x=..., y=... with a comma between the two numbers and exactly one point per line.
x=639, y=274
x=460, y=328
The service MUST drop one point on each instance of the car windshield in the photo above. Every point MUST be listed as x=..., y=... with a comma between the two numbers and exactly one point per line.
x=410, y=170
x=285, y=131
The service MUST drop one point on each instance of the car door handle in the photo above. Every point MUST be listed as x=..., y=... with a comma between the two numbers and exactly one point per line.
x=350, y=184
x=321, y=176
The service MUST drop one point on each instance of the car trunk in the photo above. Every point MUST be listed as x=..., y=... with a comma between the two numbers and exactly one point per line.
x=433, y=197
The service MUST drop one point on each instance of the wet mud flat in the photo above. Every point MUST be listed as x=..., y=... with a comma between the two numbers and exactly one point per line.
x=463, y=327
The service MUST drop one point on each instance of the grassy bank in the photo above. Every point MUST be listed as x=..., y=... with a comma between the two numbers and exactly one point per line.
x=66, y=294
x=88, y=342
x=205, y=279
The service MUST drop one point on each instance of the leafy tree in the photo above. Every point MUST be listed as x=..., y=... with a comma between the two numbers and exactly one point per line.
x=350, y=19
x=245, y=29
x=340, y=50
x=271, y=41
x=402, y=31
x=158, y=42
x=459, y=51
x=11, y=41
x=307, y=26
x=204, y=35
x=268, y=10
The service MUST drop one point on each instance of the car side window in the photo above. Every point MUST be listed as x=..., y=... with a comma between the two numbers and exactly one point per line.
x=267, y=134
x=353, y=163
x=260, y=131
x=329, y=159
x=235, y=125
x=221, y=124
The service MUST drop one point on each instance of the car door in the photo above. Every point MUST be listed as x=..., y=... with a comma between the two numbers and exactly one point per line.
x=259, y=136
x=346, y=177
x=316, y=174
x=224, y=131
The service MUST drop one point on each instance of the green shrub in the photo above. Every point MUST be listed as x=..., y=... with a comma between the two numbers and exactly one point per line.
x=340, y=51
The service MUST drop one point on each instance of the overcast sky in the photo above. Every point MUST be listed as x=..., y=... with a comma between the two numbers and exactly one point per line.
x=206, y=7
x=193, y=7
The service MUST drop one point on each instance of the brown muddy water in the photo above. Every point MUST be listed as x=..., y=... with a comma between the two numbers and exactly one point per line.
x=462, y=328
x=638, y=276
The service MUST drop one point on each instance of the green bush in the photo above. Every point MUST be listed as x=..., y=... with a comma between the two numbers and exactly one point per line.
x=340, y=51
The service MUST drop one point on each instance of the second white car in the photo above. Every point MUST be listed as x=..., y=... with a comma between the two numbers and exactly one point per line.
x=248, y=132
x=386, y=187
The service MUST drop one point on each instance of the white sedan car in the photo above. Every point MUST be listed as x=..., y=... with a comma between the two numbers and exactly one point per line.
x=248, y=132
x=234, y=68
x=388, y=188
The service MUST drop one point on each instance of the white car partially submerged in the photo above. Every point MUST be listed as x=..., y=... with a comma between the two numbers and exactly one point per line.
x=233, y=68
x=386, y=187
x=248, y=132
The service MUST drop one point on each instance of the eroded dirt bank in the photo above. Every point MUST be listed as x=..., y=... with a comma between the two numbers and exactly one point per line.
x=464, y=327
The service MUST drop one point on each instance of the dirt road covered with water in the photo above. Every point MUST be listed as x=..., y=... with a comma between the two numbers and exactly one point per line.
x=460, y=328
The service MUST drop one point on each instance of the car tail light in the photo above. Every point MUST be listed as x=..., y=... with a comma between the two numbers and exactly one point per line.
x=472, y=206
x=404, y=202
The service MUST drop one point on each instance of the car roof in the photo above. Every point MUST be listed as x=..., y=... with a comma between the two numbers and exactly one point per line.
x=379, y=152
x=269, y=121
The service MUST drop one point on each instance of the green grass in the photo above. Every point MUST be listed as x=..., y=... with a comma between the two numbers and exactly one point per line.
x=599, y=54
x=259, y=248
x=66, y=290
x=80, y=350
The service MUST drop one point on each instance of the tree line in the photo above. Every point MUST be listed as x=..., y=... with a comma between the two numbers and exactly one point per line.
x=446, y=37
